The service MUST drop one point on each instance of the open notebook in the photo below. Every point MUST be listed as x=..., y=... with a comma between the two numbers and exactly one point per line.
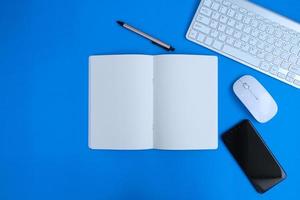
x=144, y=102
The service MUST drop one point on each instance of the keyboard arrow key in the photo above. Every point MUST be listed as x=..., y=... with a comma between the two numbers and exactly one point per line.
x=295, y=69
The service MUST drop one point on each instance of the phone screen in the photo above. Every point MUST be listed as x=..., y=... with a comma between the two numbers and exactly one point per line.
x=253, y=156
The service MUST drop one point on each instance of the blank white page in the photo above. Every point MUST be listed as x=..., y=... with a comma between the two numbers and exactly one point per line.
x=185, y=102
x=121, y=102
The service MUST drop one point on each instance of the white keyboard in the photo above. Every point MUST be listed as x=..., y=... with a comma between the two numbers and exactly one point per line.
x=251, y=35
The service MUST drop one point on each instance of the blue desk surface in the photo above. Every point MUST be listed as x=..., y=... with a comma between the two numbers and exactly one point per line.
x=44, y=99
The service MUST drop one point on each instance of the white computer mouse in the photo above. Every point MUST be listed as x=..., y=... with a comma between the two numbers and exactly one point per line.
x=256, y=98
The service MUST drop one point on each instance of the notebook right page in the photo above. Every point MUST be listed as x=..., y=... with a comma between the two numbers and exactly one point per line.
x=185, y=102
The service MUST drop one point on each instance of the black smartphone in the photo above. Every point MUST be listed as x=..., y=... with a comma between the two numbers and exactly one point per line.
x=253, y=156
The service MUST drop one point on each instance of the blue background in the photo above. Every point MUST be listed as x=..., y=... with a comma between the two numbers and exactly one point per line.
x=44, y=49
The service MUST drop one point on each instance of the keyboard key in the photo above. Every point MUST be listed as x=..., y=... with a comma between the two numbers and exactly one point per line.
x=286, y=46
x=214, y=24
x=254, y=32
x=207, y=3
x=226, y=3
x=201, y=37
x=245, y=38
x=234, y=6
x=243, y=10
x=285, y=55
x=239, y=16
x=258, y=17
x=281, y=75
x=277, y=61
x=274, y=70
x=269, y=57
x=214, y=33
x=293, y=58
x=291, y=74
x=252, y=41
x=262, y=36
x=208, y=41
x=247, y=29
x=283, y=71
x=245, y=46
x=295, y=69
x=260, y=54
x=221, y=27
x=278, y=43
x=215, y=6
x=202, y=28
x=260, y=44
x=254, y=23
x=231, y=13
x=296, y=82
x=247, y=20
x=230, y=40
x=265, y=66
x=203, y=19
x=242, y=55
x=295, y=50
x=253, y=50
x=237, y=34
x=286, y=37
x=271, y=40
x=289, y=79
x=222, y=37
x=223, y=10
x=276, y=52
x=217, y=45
x=270, y=30
x=223, y=19
x=295, y=40
x=193, y=34
x=237, y=44
x=231, y=22
x=239, y=25
x=215, y=15
x=262, y=26
x=205, y=11
x=278, y=33
x=229, y=31
x=285, y=65
x=269, y=48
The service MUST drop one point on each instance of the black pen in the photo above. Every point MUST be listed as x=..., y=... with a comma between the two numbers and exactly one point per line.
x=145, y=35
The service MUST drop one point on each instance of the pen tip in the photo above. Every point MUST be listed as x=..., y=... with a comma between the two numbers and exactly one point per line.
x=120, y=23
x=172, y=48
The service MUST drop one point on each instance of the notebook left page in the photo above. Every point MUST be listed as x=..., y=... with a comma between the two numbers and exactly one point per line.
x=120, y=102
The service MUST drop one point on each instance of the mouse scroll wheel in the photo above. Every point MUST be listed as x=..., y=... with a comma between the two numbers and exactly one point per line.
x=246, y=86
